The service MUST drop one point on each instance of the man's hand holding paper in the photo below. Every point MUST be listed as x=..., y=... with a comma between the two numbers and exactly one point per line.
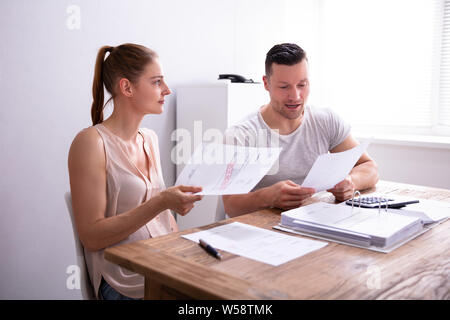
x=288, y=195
x=343, y=190
x=331, y=172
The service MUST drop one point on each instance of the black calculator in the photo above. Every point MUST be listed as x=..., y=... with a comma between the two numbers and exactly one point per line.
x=375, y=202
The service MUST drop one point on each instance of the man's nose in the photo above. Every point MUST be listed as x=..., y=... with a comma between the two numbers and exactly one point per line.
x=295, y=94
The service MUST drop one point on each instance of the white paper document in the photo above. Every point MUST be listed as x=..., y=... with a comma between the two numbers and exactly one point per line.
x=227, y=169
x=429, y=211
x=256, y=243
x=331, y=168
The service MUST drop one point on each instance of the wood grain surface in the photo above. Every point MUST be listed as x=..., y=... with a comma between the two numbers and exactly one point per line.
x=175, y=267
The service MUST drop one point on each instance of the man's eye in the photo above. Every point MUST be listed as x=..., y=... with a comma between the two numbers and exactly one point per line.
x=284, y=87
x=157, y=82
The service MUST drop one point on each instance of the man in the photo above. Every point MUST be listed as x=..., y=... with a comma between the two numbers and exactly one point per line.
x=303, y=133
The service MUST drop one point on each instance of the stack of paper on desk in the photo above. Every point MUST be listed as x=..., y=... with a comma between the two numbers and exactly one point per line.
x=428, y=211
x=357, y=226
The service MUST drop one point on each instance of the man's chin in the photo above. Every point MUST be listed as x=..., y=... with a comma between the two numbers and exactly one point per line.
x=292, y=114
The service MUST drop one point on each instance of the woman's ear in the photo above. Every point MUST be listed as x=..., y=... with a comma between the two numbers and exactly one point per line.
x=125, y=87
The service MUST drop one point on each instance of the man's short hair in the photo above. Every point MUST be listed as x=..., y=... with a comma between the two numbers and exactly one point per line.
x=285, y=53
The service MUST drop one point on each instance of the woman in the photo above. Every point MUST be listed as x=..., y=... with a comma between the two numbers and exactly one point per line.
x=116, y=183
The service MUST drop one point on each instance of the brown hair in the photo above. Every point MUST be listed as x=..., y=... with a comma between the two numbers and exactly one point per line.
x=285, y=53
x=125, y=61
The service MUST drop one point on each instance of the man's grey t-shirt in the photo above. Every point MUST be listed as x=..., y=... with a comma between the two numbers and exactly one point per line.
x=320, y=131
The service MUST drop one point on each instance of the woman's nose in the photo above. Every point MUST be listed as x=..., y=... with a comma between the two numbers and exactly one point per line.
x=167, y=90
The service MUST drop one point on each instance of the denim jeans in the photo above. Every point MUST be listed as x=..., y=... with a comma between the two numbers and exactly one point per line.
x=106, y=292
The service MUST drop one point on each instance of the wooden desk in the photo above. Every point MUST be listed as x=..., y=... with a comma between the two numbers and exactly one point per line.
x=175, y=267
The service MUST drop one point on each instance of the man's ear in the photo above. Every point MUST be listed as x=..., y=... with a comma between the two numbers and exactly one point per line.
x=125, y=87
x=266, y=82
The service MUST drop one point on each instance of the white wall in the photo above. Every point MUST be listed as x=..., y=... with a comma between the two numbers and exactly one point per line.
x=46, y=69
x=428, y=166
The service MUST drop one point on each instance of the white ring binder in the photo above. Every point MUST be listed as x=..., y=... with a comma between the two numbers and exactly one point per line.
x=380, y=199
x=353, y=198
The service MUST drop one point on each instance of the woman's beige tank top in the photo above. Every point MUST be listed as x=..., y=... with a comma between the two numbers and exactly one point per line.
x=127, y=188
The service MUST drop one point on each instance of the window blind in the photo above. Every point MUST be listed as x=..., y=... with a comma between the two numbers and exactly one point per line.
x=444, y=92
x=378, y=62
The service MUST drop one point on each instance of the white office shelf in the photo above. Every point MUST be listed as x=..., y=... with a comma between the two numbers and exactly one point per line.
x=217, y=106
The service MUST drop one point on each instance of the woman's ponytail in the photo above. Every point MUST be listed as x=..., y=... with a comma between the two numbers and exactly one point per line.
x=97, y=87
x=128, y=61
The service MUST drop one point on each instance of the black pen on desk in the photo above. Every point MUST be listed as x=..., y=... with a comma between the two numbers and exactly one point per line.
x=209, y=249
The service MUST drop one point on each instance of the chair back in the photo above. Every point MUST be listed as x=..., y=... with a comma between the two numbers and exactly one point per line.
x=87, y=291
x=220, y=210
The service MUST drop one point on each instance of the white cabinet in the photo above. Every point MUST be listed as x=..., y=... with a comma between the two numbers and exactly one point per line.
x=203, y=113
